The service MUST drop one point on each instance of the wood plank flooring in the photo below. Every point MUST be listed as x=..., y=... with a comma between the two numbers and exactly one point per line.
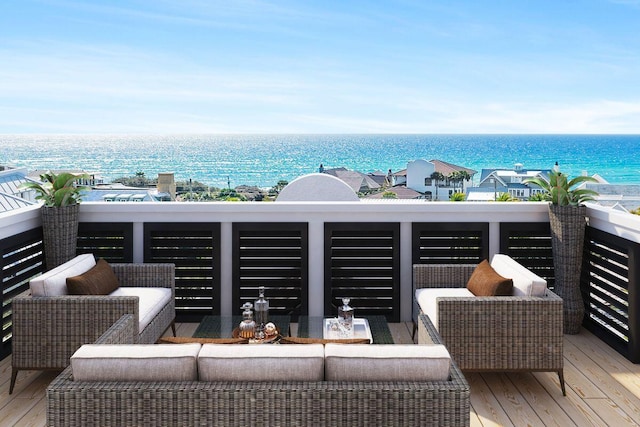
x=603, y=389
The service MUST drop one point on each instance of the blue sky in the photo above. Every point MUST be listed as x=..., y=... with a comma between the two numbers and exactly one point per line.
x=198, y=66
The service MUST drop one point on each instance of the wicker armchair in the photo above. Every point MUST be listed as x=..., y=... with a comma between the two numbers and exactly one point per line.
x=512, y=333
x=48, y=330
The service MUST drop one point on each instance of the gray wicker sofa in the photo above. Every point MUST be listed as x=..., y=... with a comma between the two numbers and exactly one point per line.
x=261, y=403
x=492, y=333
x=47, y=330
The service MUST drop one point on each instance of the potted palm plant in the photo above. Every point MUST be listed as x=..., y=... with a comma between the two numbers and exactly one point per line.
x=61, y=198
x=567, y=218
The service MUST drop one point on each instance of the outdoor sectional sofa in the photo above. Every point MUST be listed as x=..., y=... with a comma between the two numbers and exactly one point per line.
x=519, y=332
x=241, y=385
x=49, y=325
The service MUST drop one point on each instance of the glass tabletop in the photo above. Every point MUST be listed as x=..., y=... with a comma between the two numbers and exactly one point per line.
x=223, y=326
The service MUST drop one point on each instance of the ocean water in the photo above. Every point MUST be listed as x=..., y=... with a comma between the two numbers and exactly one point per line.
x=262, y=160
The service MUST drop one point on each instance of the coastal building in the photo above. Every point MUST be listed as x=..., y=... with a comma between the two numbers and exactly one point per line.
x=91, y=179
x=122, y=193
x=400, y=192
x=167, y=184
x=494, y=182
x=398, y=178
x=383, y=179
x=358, y=181
x=434, y=179
x=622, y=197
x=11, y=196
x=165, y=191
x=251, y=192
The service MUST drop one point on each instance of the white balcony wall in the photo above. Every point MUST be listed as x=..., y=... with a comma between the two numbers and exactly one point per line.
x=316, y=214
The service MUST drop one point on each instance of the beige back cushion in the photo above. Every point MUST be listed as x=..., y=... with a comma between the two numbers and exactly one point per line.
x=230, y=362
x=54, y=282
x=386, y=362
x=136, y=362
x=525, y=282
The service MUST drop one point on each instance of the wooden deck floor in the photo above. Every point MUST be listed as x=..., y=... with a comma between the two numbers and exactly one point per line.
x=603, y=389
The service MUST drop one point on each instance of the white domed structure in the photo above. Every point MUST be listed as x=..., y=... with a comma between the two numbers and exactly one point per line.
x=317, y=187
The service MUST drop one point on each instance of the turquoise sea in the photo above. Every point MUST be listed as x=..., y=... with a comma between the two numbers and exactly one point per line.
x=262, y=160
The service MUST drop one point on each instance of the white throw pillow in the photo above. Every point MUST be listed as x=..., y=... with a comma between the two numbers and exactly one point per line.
x=54, y=282
x=525, y=282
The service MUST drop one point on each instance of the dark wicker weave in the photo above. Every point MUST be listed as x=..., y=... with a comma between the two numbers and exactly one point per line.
x=494, y=333
x=60, y=233
x=322, y=403
x=567, y=239
x=48, y=330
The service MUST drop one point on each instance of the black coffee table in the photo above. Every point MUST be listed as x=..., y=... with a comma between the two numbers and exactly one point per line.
x=311, y=327
x=223, y=326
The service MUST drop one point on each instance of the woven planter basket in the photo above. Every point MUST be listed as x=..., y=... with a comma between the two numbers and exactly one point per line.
x=60, y=233
x=567, y=239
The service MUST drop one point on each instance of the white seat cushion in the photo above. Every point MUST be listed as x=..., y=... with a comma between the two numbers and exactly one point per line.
x=382, y=362
x=152, y=300
x=136, y=362
x=426, y=298
x=233, y=362
x=54, y=282
x=525, y=282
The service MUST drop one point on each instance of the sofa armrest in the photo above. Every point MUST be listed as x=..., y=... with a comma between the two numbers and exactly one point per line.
x=503, y=333
x=428, y=332
x=146, y=275
x=47, y=330
x=441, y=275
x=124, y=331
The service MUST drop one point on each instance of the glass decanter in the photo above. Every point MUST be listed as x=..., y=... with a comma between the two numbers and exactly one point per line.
x=248, y=325
x=261, y=306
x=345, y=314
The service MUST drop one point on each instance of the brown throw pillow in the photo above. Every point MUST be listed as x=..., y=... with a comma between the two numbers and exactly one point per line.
x=192, y=340
x=296, y=340
x=485, y=282
x=100, y=280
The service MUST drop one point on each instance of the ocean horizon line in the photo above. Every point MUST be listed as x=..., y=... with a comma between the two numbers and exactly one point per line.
x=321, y=133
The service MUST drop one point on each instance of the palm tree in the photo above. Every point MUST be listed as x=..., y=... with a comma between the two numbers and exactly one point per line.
x=437, y=177
x=454, y=178
x=463, y=176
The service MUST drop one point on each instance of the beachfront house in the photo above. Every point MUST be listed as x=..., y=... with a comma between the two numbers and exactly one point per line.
x=494, y=182
x=420, y=177
x=358, y=181
x=398, y=178
x=623, y=197
x=89, y=179
x=11, y=195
